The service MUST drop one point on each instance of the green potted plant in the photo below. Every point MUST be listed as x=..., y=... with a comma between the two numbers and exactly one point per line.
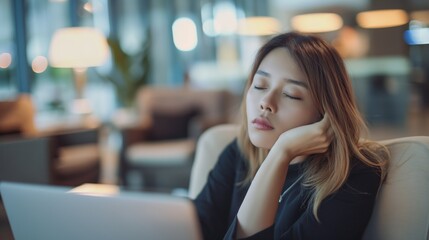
x=130, y=72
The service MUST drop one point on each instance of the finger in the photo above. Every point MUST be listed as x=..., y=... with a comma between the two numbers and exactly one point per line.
x=328, y=127
x=325, y=122
x=330, y=133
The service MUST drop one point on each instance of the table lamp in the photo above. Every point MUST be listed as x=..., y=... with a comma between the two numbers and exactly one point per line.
x=78, y=48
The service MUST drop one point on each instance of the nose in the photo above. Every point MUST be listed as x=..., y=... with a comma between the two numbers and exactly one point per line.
x=267, y=103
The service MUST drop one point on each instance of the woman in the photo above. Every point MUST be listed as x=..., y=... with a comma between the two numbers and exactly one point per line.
x=298, y=169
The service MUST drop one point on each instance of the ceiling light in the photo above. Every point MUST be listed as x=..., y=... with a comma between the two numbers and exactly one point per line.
x=258, y=26
x=185, y=36
x=382, y=18
x=317, y=22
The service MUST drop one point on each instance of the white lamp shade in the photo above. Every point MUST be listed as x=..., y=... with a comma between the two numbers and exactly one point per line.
x=78, y=47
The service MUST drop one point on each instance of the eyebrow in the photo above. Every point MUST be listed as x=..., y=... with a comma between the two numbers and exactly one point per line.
x=293, y=81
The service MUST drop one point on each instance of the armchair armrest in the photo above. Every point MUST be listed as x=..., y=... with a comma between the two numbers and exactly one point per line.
x=76, y=156
x=131, y=135
x=69, y=157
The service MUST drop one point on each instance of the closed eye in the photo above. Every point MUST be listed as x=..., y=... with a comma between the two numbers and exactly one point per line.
x=259, y=88
x=291, y=97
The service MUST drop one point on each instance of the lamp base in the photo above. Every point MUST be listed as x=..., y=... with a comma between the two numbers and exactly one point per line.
x=81, y=106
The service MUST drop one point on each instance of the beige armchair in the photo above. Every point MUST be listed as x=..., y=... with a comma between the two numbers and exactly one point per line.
x=402, y=206
x=158, y=150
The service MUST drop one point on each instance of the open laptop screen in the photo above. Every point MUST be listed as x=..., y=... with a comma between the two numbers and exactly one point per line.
x=47, y=212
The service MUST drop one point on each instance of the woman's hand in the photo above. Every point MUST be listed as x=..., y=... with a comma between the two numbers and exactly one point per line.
x=305, y=140
x=259, y=207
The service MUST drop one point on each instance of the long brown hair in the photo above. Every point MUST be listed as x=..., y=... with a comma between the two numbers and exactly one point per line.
x=331, y=91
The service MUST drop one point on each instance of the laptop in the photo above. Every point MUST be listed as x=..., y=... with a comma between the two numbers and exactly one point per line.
x=48, y=212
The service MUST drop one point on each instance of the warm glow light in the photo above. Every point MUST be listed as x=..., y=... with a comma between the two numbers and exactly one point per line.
x=220, y=19
x=5, y=60
x=185, y=34
x=93, y=6
x=39, y=64
x=350, y=43
x=258, y=26
x=317, y=22
x=88, y=7
x=382, y=18
x=78, y=47
x=96, y=189
x=225, y=18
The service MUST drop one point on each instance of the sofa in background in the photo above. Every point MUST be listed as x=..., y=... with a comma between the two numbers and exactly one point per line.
x=157, y=150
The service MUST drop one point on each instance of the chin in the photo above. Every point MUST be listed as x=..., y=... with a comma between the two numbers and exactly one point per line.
x=260, y=141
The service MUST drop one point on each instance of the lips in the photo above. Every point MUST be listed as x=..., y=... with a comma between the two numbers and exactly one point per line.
x=262, y=124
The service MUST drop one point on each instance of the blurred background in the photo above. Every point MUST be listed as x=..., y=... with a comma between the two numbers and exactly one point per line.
x=125, y=88
x=91, y=77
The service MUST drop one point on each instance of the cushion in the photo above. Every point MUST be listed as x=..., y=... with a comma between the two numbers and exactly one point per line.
x=171, y=124
x=75, y=159
x=161, y=153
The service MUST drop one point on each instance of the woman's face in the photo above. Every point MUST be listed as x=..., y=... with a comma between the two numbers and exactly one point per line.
x=278, y=99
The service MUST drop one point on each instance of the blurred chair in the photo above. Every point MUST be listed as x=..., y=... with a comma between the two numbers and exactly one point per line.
x=76, y=157
x=401, y=210
x=209, y=146
x=25, y=159
x=62, y=157
x=67, y=159
x=17, y=116
x=157, y=152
